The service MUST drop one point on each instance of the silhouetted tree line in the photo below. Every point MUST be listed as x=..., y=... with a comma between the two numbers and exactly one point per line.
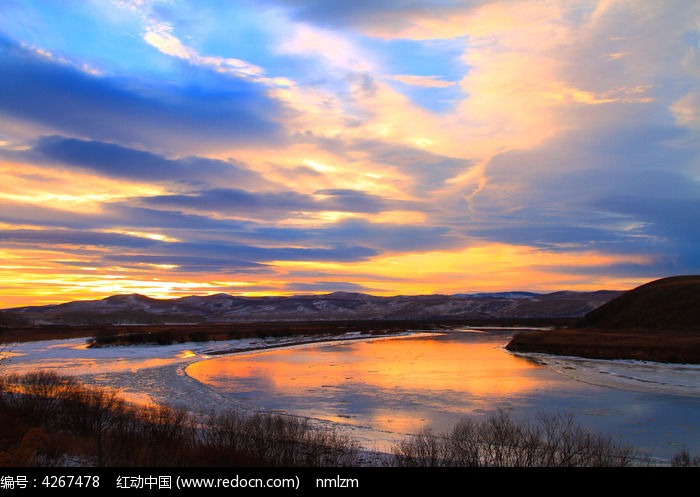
x=8, y=319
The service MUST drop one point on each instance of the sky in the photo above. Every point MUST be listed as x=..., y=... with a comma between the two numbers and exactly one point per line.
x=391, y=147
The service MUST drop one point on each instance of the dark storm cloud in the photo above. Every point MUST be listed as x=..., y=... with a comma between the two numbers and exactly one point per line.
x=391, y=237
x=549, y=235
x=187, y=263
x=379, y=236
x=647, y=270
x=53, y=95
x=213, y=255
x=663, y=216
x=356, y=201
x=273, y=204
x=217, y=249
x=122, y=162
x=200, y=229
x=122, y=214
x=203, y=255
x=39, y=215
x=326, y=286
x=429, y=171
x=47, y=238
x=620, y=190
x=115, y=215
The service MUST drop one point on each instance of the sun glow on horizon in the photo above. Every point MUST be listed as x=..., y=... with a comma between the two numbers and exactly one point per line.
x=381, y=148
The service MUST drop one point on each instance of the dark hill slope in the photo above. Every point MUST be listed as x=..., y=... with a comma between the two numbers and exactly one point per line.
x=658, y=321
x=666, y=304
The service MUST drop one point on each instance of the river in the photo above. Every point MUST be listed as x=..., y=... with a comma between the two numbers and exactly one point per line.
x=381, y=390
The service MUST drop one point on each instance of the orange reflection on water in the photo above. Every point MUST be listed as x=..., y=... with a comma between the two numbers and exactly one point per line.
x=399, y=422
x=408, y=364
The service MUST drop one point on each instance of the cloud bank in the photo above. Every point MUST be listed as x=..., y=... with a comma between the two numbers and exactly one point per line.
x=285, y=146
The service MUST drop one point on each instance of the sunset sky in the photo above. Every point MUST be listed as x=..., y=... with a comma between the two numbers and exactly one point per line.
x=179, y=147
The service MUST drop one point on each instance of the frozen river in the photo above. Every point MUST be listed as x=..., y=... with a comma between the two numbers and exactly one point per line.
x=382, y=389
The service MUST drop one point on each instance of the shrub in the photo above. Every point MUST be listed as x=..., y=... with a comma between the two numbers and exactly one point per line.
x=280, y=440
x=46, y=416
x=684, y=460
x=500, y=441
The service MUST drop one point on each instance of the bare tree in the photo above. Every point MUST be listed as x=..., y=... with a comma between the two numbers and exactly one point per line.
x=557, y=440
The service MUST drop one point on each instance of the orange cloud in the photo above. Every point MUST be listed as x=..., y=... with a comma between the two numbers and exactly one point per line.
x=487, y=267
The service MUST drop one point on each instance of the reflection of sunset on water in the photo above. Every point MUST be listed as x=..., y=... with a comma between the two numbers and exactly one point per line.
x=413, y=364
x=396, y=385
x=397, y=422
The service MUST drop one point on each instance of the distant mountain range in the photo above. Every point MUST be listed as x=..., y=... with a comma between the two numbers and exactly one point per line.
x=224, y=308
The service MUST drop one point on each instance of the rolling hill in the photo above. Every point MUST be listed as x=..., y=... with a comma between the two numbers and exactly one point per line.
x=658, y=321
x=666, y=304
x=225, y=308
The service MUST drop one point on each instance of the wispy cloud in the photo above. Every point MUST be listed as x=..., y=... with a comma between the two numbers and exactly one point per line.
x=385, y=146
x=160, y=36
x=64, y=100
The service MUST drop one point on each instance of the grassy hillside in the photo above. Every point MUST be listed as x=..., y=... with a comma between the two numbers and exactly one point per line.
x=666, y=304
x=658, y=321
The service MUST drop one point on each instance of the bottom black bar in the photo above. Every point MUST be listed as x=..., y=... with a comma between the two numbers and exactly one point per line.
x=321, y=480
